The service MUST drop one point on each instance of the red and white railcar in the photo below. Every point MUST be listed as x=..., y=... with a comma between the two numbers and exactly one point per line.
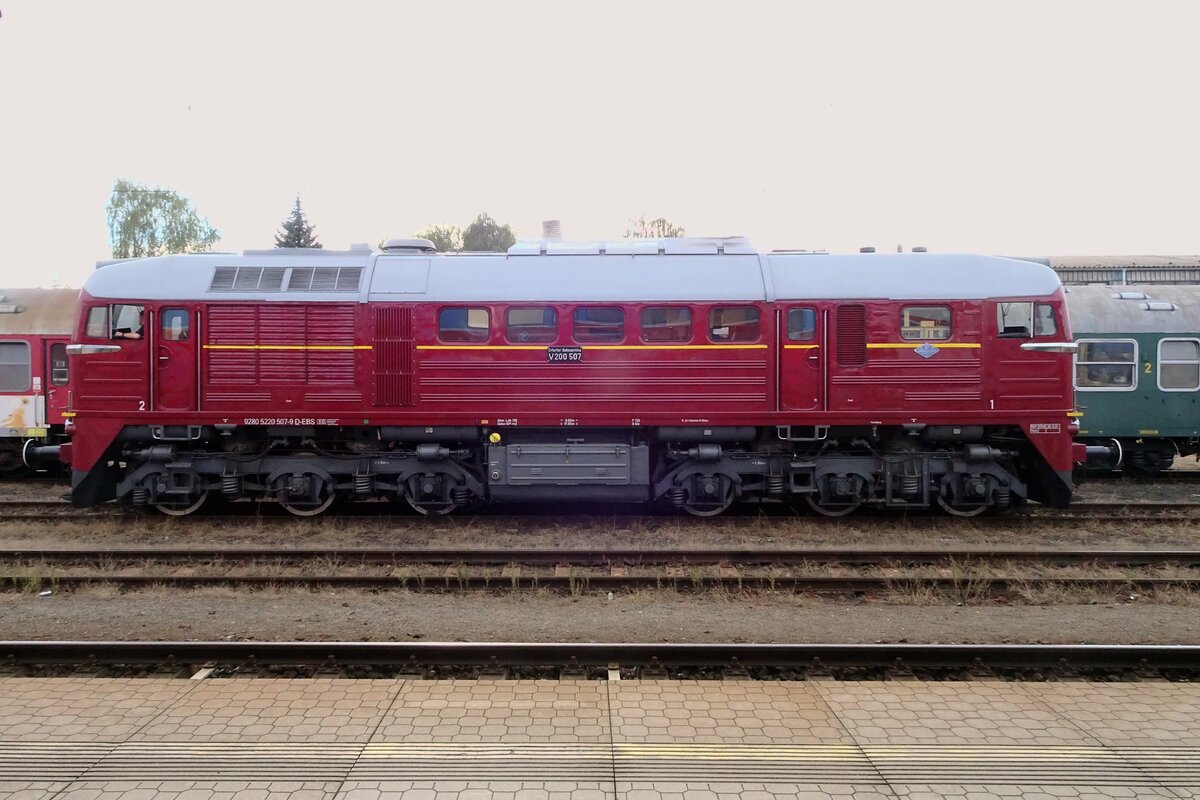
x=692, y=371
x=35, y=327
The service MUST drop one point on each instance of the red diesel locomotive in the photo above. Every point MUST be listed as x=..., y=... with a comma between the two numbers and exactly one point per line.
x=691, y=371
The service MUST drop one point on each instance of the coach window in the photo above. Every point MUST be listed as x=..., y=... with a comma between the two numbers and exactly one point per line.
x=801, y=324
x=925, y=322
x=1179, y=365
x=175, y=327
x=14, y=367
x=1044, y=322
x=669, y=324
x=599, y=324
x=738, y=324
x=126, y=322
x=463, y=324
x=1106, y=365
x=97, y=322
x=59, y=366
x=1014, y=320
x=531, y=325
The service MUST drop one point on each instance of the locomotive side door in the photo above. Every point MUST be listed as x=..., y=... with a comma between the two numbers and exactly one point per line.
x=801, y=358
x=57, y=374
x=173, y=359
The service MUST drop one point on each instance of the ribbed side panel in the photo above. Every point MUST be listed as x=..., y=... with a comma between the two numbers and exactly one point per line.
x=299, y=331
x=851, y=336
x=393, y=356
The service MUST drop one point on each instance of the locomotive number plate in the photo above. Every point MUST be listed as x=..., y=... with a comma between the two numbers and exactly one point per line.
x=564, y=354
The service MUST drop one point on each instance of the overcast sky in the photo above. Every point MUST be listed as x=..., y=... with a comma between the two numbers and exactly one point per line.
x=1031, y=128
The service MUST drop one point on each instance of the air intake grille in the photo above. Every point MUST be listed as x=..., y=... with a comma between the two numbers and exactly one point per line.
x=324, y=279
x=247, y=279
x=851, y=336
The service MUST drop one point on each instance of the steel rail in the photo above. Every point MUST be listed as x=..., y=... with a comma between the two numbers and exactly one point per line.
x=606, y=556
x=821, y=584
x=603, y=655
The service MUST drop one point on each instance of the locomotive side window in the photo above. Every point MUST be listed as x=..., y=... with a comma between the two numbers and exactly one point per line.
x=97, y=322
x=14, y=367
x=1179, y=365
x=1102, y=365
x=599, y=324
x=1014, y=320
x=1044, y=323
x=126, y=322
x=671, y=324
x=801, y=324
x=59, y=365
x=531, y=325
x=738, y=324
x=175, y=325
x=463, y=324
x=925, y=322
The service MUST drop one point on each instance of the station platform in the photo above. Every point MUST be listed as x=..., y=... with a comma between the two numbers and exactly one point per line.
x=342, y=739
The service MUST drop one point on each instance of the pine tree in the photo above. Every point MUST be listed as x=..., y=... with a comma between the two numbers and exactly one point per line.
x=297, y=232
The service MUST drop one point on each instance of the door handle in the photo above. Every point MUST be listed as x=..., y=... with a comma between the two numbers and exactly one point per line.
x=163, y=355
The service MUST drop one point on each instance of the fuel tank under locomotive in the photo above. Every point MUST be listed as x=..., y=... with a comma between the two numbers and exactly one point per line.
x=965, y=470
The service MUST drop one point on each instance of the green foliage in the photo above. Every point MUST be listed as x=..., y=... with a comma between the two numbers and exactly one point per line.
x=297, y=232
x=485, y=235
x=446, y=238
x=661, y=228
x=144, y=221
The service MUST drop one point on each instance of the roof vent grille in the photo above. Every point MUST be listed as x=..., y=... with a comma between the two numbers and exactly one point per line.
x=324, y=279
x=1130, y=296
x=247, y=279
x=1158, y=305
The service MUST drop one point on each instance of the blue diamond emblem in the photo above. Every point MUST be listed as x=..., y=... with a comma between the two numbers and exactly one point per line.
x=926, y=350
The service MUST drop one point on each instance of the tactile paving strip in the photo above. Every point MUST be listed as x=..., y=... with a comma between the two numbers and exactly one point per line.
x=280, y=761
x=530, y=761
x=49, y=761
x=1005, y=764
x=740, y=762
x=1170, y=766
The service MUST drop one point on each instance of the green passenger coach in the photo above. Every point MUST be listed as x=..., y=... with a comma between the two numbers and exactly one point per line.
x=1137, y=373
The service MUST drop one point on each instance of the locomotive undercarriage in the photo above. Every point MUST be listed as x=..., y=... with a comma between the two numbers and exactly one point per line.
x=964, y=470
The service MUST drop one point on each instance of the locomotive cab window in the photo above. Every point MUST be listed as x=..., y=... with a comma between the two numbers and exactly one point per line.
x=1106, y=365
x=1044, y=323
x=126, y=322
x=925, y=322
x=599, y=324
x=460, y=324
x=15, y=367
x=671, y=324
x=60, y=369
x=736, y=324
x=1179, y=365
x=531, y=325
x=175, y=327
x=97, y=322
x=801, y=324
x=1015, y=320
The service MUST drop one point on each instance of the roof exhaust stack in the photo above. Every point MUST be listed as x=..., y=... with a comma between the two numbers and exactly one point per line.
x=920, y=249
x=866, y=249
x=408, y=246
x=552, y=229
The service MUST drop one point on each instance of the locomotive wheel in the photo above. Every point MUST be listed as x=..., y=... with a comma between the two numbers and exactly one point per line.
x=711, y=508
x=832, y=509
x=304, y=508
x=950, y=507
x=184, y=507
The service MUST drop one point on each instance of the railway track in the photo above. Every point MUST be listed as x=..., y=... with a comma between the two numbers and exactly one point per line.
x=613, y=660
x=1114, y=512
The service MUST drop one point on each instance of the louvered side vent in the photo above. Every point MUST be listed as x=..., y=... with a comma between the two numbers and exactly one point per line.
x=247, y=279
x=393, y=356
x=231, y=325
x=331, y=324
x=851, y=336
x=324, y=279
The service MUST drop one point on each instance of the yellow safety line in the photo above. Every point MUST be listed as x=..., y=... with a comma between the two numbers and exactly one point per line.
x=593, y=347
x=801, y=346
x=910, y=346
x=288, y=347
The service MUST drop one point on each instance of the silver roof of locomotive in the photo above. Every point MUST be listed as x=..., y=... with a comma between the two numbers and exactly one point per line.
x=633, y=270
x=1134, y=309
